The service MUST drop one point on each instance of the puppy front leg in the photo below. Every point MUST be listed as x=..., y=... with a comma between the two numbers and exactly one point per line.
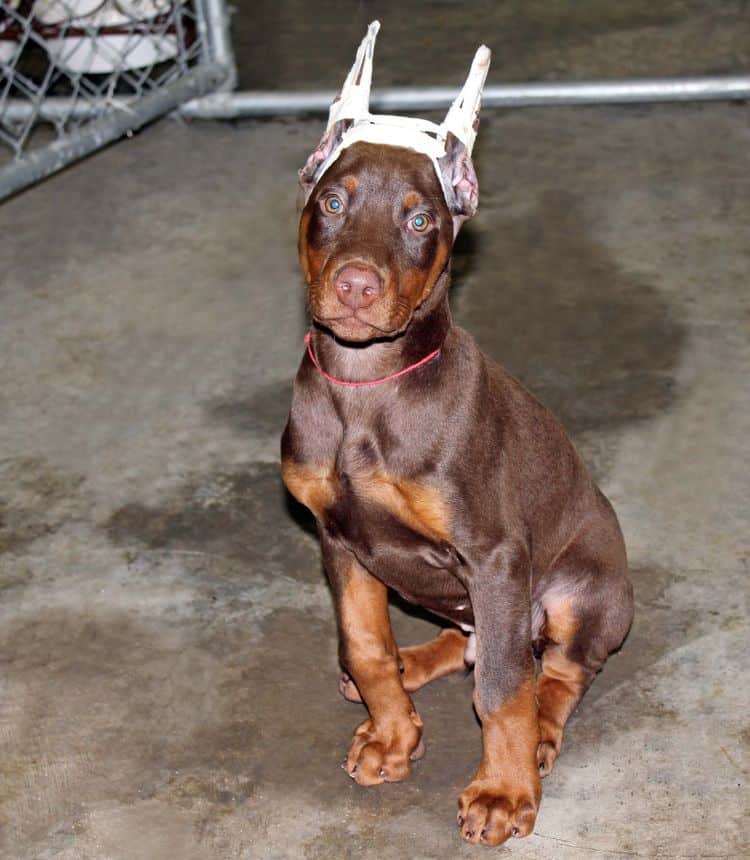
x=503, y=798
x=384, y=744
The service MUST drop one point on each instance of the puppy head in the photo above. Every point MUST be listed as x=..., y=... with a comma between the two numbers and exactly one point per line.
x=376, y=233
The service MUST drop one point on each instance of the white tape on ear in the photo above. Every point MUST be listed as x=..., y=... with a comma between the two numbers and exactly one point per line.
x=353, y=105
x=353, y=101
x=462, y=117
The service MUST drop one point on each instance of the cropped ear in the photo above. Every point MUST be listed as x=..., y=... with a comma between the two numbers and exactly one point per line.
x=459, y=181
x=311, y=172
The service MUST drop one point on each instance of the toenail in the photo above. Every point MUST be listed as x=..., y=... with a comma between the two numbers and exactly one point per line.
x=381, y=772
x=514, y=831
x=460, y=820
x=483, y=834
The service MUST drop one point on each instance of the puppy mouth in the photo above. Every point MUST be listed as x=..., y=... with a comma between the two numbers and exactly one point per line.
x=344, y=319
x=351, y=326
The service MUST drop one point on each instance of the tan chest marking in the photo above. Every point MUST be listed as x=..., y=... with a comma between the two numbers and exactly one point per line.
x=315, y=487
x=421, y=507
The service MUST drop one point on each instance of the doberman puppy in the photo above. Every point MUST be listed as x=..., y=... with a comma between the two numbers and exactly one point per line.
x=445, y=480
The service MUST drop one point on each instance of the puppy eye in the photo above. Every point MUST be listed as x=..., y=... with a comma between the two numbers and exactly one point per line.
x=420, y=222
x=333, y=204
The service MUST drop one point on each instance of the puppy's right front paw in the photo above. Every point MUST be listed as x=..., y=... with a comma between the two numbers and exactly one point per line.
x=383, y=753
x=490, y=812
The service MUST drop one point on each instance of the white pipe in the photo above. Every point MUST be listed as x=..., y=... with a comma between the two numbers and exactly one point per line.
x=234, y=105
x=239, y=104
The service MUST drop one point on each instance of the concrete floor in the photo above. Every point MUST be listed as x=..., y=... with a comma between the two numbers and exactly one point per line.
x=168, y=683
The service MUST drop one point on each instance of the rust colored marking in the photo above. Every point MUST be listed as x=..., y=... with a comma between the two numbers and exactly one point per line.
x=384, y=745
x=311, y=260
x=510, y=734
x=315, y=487
x=504, y=795
x=413, y=285
x=303, y=225
x=418, y=283
x=421, y=664
x=350, y=183
x=562, y=681
x=562, y=623
x=432, y=660
x=556, y=666
x=559, y=689
x=438, y=264
x=411, y=200
x=421, y=507
x=364, y=617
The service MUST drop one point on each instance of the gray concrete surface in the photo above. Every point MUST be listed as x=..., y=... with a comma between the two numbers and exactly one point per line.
x=532, y=40
x=168, y=679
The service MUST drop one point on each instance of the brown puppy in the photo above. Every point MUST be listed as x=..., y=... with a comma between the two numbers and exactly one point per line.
x=449, y=483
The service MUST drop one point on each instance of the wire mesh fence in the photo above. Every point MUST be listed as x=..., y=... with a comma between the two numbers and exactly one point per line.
x=77, y=74
x=84, y=57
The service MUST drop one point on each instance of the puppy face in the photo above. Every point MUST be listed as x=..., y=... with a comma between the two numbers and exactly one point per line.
x=375, y=235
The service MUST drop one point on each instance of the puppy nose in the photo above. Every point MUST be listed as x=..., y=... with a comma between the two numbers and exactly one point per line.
x=357, y=286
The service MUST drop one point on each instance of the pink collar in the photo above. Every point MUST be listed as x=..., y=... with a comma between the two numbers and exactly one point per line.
x=335, y=381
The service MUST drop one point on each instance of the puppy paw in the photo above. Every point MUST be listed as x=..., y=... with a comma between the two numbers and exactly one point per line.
x=383, y=753
x=546, y=754
x=490, y=812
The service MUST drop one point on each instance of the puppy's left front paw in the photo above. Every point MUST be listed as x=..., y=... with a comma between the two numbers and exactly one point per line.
x=489, y=812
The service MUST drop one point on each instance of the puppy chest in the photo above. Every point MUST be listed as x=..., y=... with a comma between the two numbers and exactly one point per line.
x=399, y=528
x=354, y=488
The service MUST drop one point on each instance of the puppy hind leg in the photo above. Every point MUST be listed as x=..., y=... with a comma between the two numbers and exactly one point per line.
x=581, y=631
x=559, y=688
x=421, y=664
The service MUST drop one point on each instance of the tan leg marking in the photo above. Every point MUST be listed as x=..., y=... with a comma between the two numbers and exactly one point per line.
x=421, y=664
x=560, y=685
x=383, y=745
x=503, y=798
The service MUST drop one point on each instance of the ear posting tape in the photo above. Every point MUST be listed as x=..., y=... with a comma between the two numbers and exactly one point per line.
x=353, y=105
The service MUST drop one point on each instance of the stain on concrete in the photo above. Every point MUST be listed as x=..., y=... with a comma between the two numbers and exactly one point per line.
x=243, y=515
x=261, y=412
x=36, y=500
x=182, y=705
